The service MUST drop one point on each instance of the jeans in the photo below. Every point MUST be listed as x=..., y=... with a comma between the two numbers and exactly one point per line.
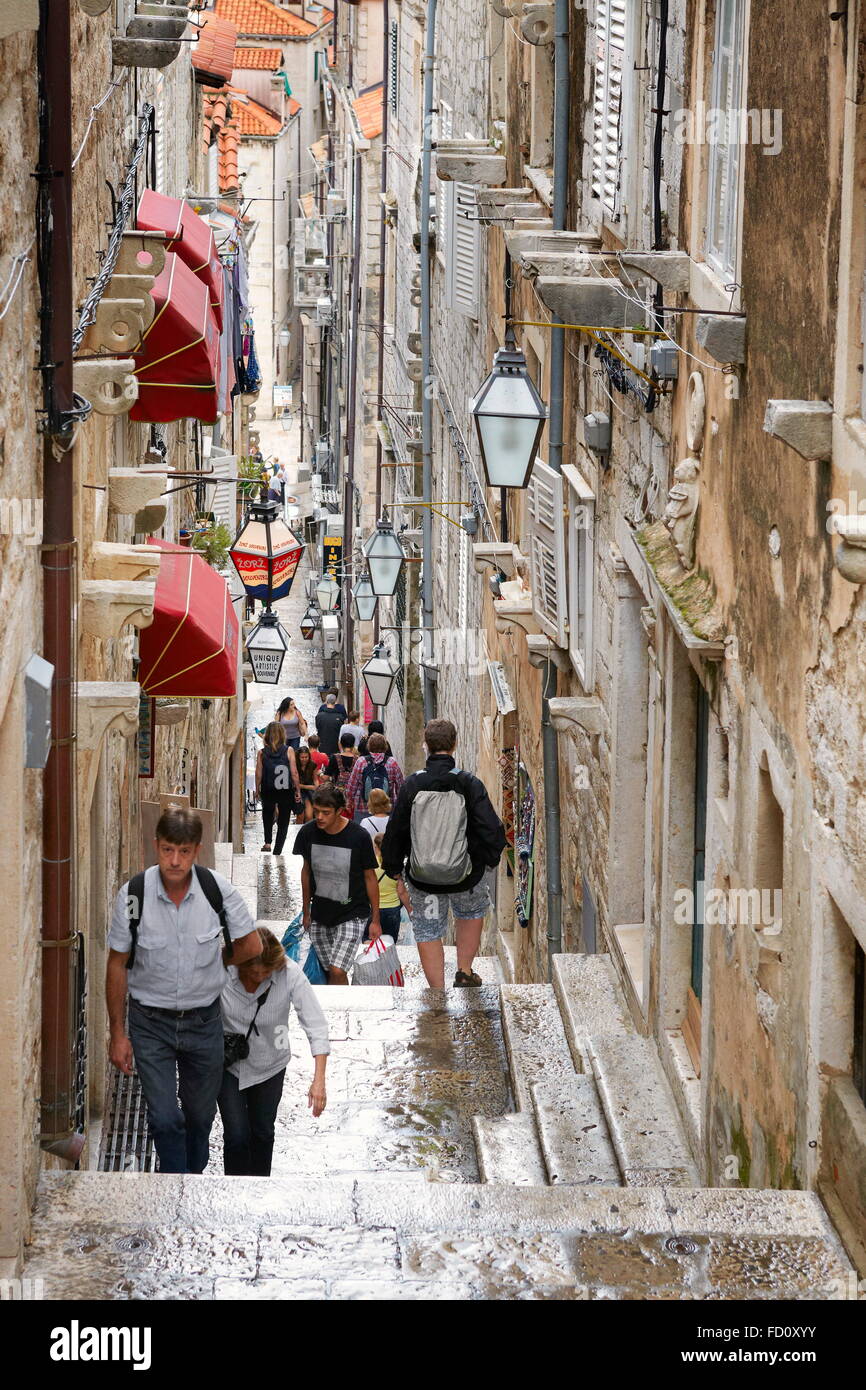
x=248, y=1124
x=179, y=1059
x=390, y=919
x=284, y=802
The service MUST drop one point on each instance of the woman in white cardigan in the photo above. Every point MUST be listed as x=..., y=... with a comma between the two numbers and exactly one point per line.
x=256, y=999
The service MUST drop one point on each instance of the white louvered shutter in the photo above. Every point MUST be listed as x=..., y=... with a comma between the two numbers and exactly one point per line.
x=223, y=503
x=463, y=253
x=547, y=552
x=581, y=574
x=610, y=34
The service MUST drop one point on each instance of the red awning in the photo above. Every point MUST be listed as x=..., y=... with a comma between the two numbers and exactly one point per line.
x=189, y=236
x=178, y=363
x=191, y=648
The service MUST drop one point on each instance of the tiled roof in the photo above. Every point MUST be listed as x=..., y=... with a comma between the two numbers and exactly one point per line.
x=228, y=143
x=267, y=58
x=254, y=119
x=213, y=54
x=261, y=17
x=368, y=109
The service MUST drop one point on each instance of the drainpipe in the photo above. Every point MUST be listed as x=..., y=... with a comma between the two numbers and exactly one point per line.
x=349, y=512
x=380, y=366
x=426, y=375
x=550, y=741
x=58, y=577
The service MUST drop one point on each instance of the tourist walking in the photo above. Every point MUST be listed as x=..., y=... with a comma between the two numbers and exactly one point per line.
x=321, y=760
x=445, y=835
x=256, y=1001
x=293, y=722
x=171, y=930
x=309, y=778
x=378, y=812
x=353, y=726
x=339, y=890
x=278, y=786
x=375, y=726
x=376, y=770
x=341, y=766
x=329, y=721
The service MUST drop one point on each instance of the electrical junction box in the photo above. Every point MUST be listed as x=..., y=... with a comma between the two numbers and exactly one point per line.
x=597, y=432
x=38, y=678
x=665, y=361
x=331, y=638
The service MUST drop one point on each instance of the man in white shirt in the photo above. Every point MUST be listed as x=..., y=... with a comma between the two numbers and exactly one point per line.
x=174, y=980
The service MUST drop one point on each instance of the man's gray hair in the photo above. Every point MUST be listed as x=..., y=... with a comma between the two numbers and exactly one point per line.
x=330, y=699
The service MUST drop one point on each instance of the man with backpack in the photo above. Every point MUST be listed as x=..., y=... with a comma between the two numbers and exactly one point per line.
x=329, y=721
x=377, y=770
x=443, y=837
x=172, y=931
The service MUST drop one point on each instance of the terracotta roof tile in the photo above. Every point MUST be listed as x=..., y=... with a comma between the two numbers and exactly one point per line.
x=261, y=17
x=213, y=54
x=254, y=119
x=267, y=58
x=228, y=144
x=368, y=109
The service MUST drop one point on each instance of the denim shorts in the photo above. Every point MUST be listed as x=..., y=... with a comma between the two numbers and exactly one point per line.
x=429, y=911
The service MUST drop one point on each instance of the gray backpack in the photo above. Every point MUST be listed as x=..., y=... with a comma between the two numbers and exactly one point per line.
x=440, y=849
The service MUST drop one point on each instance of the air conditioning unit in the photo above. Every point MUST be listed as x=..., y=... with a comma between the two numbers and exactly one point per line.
x=324, y=309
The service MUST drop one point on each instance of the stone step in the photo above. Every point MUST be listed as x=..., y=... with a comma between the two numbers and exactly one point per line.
x=120, y=1236
x=573, y=1133
x=223, y=852
x=591, y=1002
x=642, y=1116
x=508, y=1150
x=535, y=1038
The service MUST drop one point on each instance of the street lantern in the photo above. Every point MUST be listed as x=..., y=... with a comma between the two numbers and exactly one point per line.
x=327, y=593
x=266, y=553
x=385, y=559
x=509, y=417
x=365, y=599
x=267, y=645
x=380, y=673
x=309, y=623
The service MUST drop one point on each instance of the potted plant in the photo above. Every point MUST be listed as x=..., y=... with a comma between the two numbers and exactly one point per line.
x=213, y=543
x=249, y=476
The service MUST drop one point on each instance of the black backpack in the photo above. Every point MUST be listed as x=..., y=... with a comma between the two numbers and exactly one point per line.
x=135, y=903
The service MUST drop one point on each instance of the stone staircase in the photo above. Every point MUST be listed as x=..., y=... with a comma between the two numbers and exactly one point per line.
x=507, y=1142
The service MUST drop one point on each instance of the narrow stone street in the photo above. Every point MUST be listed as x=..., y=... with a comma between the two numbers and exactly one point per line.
x=508, y=1142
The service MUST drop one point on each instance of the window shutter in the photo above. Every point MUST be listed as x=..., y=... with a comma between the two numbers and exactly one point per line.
x=393, y=59
x=581, y=575
x=610, y=31
x=547, y=551
x=223, y=503
x=463, y=252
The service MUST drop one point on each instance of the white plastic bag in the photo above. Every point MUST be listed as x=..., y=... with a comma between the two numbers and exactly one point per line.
x=377, y=963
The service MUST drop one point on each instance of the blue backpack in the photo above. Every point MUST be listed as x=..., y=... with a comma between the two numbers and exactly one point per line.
x=375, y=777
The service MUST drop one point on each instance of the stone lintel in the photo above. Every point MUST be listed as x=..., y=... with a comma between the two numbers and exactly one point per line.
x=531, y=243
x=468, y=166
x=586, y=300
x=584, y=712
x=488, y=554
x=723, y=336
x=542, y=649
x=110, y=561
x=806, y=425
x=527, y=212
x=107, y=605
x=129, y=489
x=670, y=269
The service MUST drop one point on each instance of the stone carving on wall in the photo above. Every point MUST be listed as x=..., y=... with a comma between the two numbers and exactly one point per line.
x=696, y=407
x=680, y=514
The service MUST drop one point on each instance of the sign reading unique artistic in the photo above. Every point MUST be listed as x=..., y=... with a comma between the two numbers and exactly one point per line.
x=146, y=734
x=267, y=665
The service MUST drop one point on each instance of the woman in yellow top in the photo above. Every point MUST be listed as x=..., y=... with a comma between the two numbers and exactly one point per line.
x=392, y=892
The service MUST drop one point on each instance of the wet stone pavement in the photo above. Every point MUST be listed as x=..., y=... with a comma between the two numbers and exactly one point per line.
x=381, y=1197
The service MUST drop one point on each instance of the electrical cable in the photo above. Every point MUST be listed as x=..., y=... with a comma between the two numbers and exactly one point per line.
x=94, y=110
x=18, y=262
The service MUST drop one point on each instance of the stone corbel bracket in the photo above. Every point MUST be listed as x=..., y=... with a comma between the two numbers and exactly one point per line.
x=541, y=649
x=158, y=22
x=490, y=555
x=18, y=15
x=670, y=269
x=94, y=7
x=107, y=605
x=127, y=562
x=806, y=426
x=129, y=489
x=512, y=612
x=141, y=254
x=850, y=554
x=470, y=161
x=723, y=336
x=118, y=326
x=166, y=715
x=587, y=299
x=144, y=53
x=537, y=23
x=100, y=706
x=127, y=309
x=150, y=518
x=583, y=712
x=109, y=384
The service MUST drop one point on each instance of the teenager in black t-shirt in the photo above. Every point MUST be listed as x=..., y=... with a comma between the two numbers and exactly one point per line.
x=338, y=884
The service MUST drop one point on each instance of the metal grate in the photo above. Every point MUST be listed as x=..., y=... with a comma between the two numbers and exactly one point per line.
x=127, y=1146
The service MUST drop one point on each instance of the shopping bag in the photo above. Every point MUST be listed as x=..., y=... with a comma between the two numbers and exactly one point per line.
x=292, y=937
x=313, y=969
x=377, y=963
